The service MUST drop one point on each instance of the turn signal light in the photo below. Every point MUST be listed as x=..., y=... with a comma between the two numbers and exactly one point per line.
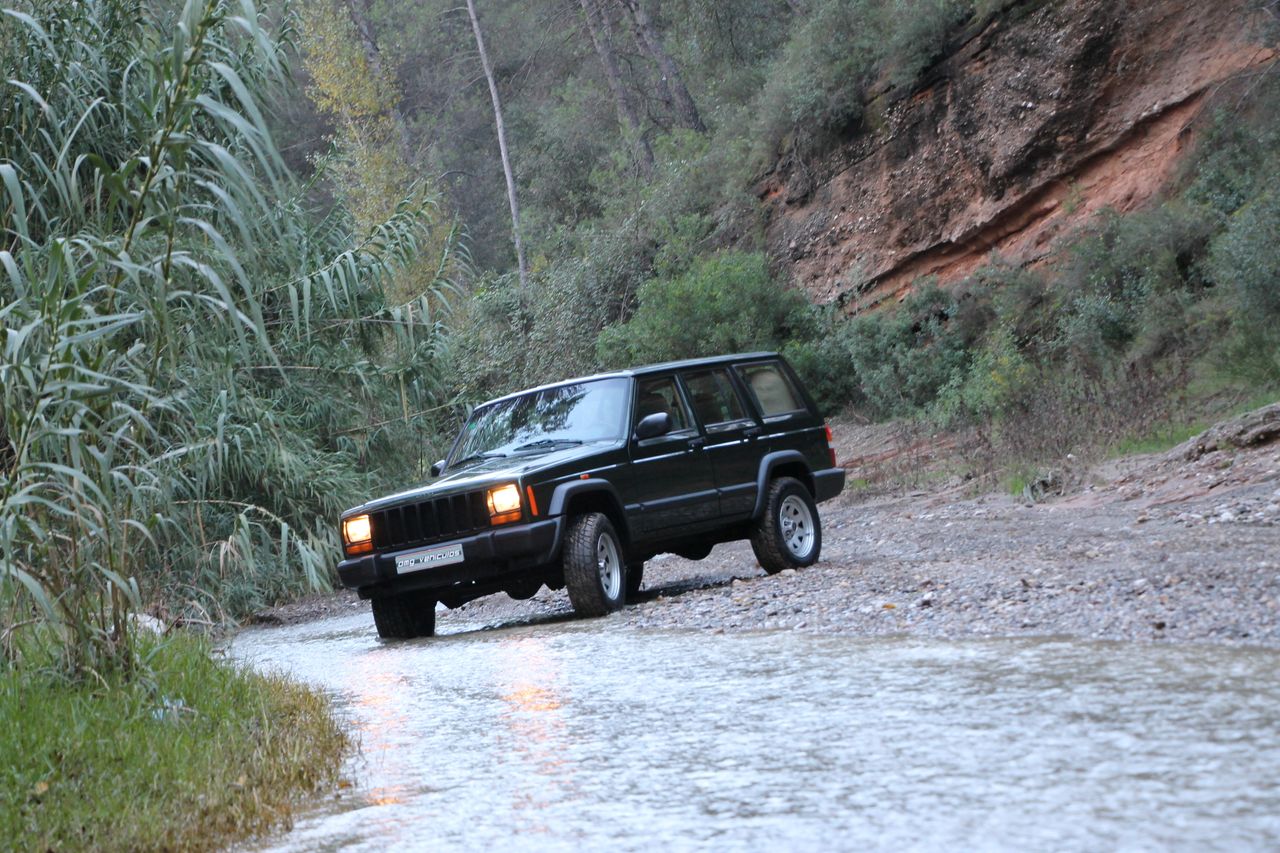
x=504, y=504
x=357, y=534
x=831, y=445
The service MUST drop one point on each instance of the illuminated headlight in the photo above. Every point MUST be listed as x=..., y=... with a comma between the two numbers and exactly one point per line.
x=504, y=503
x=357, y=534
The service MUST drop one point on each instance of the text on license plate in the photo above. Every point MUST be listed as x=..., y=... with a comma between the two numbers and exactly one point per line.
x=429, y=558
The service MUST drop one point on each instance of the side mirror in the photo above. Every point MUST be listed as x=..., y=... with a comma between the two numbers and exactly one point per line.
x=437, y=468
x=652, y=426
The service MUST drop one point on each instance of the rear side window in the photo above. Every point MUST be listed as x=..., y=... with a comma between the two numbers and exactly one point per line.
x=662, y=395
x=772, y=389
x=715, y=401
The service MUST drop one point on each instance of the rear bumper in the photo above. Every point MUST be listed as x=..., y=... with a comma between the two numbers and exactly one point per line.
x=485, y=556
x=827, y=484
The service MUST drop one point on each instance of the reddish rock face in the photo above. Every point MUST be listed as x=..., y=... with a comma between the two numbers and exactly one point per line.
x=1049, y=114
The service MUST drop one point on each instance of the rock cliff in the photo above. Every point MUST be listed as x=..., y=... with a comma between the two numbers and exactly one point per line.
x=1032, y=124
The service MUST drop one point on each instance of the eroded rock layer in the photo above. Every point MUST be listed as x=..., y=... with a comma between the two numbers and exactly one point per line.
x=1051, y=113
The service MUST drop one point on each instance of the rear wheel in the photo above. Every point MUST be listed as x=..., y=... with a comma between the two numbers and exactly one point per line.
x=593, y=569
x=788, y=535
x=404, y=616
x=635, y=578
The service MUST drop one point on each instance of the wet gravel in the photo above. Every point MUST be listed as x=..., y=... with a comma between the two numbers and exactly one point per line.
x=972, y=568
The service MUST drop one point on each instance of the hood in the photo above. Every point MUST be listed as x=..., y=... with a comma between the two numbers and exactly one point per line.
x=486, y=472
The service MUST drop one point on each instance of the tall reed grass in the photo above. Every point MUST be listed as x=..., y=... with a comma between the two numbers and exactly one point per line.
x=197, y=369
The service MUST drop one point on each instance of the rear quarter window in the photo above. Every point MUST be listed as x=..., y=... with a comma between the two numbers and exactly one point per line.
x=772, y=390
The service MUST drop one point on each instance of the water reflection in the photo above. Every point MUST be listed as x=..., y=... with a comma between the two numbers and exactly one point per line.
x=534, y=730
x=578, y=735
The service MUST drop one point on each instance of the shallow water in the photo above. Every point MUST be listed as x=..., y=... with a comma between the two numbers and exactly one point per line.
x=579, y=735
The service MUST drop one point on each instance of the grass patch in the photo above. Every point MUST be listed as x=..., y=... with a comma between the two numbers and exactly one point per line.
x=193, y=755
x=1170, y=435
x=1016, y=482
x=1158, y=440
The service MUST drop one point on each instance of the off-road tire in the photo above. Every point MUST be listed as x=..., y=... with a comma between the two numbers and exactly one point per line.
x=635, y=579
x=789, y=534
x=594, y=571
x=404, y=616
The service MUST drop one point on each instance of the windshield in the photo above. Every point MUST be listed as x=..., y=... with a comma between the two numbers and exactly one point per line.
x=546, y=419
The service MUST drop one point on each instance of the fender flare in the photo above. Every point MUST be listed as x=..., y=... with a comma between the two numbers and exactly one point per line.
x=564, y=494
x=767, y=464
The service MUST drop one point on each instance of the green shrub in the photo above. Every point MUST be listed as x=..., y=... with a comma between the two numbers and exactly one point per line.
x=197, y=372
x=825, y=364
x=905, y=358
x=995, y=386
x=820, y=82
x=1245, y=261
x=724, y=303
x=1126, y=288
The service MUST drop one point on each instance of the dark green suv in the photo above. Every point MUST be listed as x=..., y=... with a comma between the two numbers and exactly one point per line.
x=578, y=483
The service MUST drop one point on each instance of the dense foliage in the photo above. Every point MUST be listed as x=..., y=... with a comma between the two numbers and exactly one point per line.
x=198, y=370
x=623, y=184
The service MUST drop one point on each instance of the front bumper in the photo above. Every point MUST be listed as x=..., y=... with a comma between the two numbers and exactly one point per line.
x=485, y=556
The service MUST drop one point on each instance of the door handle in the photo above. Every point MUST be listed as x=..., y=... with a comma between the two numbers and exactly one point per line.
x=697, y=443
x=752, y=432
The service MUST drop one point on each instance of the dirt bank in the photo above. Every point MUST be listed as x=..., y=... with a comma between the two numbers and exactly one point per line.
x=1181, y=546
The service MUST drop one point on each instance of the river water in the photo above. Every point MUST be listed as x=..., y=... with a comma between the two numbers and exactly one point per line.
x=572, y=735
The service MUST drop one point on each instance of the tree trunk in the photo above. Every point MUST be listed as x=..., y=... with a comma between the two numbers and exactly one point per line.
x=502, y=148
x=597, y=26
x=686, y=110
x=360, y=17
x=660, y=83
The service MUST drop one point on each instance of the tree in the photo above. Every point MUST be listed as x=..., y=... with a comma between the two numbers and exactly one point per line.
x=364, y=29
x=522, y=264
x=598, y=28
x=651, y=41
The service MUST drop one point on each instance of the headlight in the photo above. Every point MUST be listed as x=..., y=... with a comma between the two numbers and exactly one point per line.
x=357, y=534
x=504, y=504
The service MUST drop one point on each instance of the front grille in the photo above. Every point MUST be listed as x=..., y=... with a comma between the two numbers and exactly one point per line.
x=429, y=521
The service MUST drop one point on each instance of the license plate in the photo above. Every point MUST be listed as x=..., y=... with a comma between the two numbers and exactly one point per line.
x=428, y=559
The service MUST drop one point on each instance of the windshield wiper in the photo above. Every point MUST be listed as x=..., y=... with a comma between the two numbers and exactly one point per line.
x=476, y=457
x=549, y=442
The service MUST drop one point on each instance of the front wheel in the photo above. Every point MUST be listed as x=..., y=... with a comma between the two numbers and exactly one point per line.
x=789, y=534
x=404, y=616
x=593, y=567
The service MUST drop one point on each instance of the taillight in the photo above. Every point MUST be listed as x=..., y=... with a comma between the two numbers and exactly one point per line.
x=831, y=446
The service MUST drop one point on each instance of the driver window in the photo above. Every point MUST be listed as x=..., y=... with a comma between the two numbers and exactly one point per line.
x=661, y=395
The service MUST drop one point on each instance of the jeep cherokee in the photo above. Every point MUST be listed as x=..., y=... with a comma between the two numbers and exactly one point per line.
x=577, y=483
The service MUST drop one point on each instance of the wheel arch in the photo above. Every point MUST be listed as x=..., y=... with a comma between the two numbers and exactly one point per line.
x=781, y=463
x=581, y=496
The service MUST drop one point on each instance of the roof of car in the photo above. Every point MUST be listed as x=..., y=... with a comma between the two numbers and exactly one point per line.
x=661, y=367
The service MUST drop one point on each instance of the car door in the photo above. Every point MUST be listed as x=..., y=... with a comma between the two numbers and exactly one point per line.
x=672, y=482
x=731, y=433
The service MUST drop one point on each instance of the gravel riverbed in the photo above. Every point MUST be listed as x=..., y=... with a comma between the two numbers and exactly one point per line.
x=1181, y=547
